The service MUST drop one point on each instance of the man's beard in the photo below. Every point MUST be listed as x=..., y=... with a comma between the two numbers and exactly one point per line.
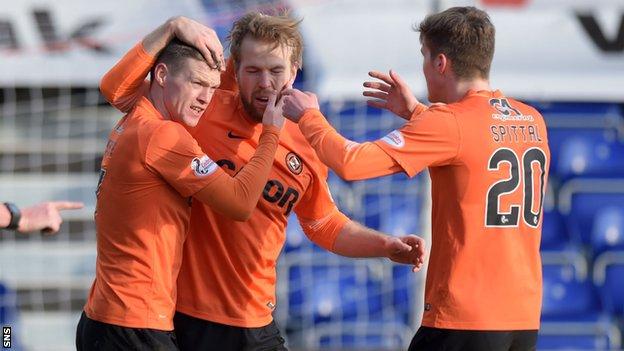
x=251, y=110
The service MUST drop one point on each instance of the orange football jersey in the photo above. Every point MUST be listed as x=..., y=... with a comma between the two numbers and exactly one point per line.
x=150, y=169
x=228, y=271
x=488, y=160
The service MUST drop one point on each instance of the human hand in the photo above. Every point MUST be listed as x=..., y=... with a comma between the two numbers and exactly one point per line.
x=273, y=114
x=45, y=216
x=296, y=102
x=392, y=94
x=203, y=38
x=409, y=249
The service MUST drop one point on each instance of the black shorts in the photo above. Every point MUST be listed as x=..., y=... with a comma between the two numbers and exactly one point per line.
x=473, y=340
x=201, y=335
x=97, y=336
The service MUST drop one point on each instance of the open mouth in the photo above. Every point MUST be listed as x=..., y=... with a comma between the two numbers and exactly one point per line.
x=262, y=99
x=198, y=110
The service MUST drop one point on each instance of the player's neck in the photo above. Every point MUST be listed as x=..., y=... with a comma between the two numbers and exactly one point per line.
x=155, y=96
x=459, y=89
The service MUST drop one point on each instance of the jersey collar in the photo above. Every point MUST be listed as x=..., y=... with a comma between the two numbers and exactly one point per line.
x=484, y=93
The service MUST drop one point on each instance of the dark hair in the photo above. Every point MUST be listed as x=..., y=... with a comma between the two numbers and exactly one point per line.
x=174, y=55
x=465, y=35
x=281, y=29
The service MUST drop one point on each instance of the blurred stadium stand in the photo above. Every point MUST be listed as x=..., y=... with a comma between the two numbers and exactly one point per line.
x=54, y=127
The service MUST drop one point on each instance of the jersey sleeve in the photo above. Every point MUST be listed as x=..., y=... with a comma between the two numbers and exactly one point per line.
x=317, y=213
x=125, y=83
x=175, y=155
x=350, y=160
x=431, y=138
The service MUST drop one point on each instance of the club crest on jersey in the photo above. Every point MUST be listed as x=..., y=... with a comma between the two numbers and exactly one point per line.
x=203, y=166
x=294, y=163
x=394, y=139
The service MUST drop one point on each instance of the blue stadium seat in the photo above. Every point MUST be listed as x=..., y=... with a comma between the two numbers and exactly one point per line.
x=564, y=297
x=404, y=295
x=376, y=335
x=568, y=120
x=609, y=278
x=570, y=111
x=554, y=233
x=349, y=341
x=608, y=230
x=8, y=305
x=559, y=137
x=392, y=214
x=579, y=336
x=590, y=156
x=585, y=204
x=334, y=293
x=296, y=240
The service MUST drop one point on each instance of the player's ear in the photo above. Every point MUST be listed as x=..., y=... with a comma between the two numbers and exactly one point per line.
x=160, y=73
x=294, y=67
x=441, y=63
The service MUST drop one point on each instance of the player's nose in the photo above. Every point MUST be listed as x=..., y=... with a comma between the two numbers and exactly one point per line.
x=265, y=80
x=204, y=95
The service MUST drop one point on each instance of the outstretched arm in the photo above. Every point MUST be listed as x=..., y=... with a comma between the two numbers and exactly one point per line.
x=237, y=197
x=43, y=216
x=350, y=160
x=356, y=240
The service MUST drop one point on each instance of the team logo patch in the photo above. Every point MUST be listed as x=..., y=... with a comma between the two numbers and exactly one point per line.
x=203, y=166
x=505, y=112
x=394, y=139
x=294, y=163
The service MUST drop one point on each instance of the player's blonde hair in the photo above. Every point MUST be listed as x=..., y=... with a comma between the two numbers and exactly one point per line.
x=281, y=30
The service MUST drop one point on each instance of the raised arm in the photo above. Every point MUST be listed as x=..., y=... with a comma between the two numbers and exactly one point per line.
x=237, y=197
x=125, y=83
x=350, y=160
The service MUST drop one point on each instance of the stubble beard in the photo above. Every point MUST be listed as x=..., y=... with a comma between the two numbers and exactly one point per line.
x=251, y=110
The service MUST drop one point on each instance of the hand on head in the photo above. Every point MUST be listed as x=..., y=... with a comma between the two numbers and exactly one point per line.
x=201, y=37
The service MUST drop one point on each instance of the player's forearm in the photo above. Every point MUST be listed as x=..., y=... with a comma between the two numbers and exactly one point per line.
x=125, y=83
x=355, y=240
x=350, y=160
x=236, y=197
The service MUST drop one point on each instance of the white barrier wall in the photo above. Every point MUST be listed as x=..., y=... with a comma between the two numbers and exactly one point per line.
x=546, y=49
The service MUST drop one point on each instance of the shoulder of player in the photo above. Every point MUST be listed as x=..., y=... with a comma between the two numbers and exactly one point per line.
x=528, y=109
x=437, y=110
x=164, y=134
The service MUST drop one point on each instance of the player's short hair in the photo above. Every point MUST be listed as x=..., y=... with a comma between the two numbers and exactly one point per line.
x=280, y=29
x=465, y=35
x=174, y=55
